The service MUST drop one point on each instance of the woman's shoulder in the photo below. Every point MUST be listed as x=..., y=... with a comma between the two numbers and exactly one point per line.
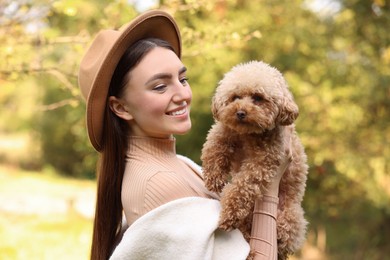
x=196, y=167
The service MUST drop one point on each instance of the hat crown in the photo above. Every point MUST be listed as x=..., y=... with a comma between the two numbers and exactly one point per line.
x=94, y=58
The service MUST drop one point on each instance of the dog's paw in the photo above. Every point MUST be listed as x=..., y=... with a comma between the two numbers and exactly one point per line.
x=227, y=224
x=233, y=218
x=215, y=187
x=251, y=255
x=215, y=184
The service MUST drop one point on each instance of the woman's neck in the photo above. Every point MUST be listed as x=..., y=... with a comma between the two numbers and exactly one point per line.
x=158, y=147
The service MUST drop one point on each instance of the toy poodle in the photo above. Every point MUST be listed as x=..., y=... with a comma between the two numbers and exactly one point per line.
x=254, y=116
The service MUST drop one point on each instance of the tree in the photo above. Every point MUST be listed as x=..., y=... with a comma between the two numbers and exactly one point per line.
x=42, y=55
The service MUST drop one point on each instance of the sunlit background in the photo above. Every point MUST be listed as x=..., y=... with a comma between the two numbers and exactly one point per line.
x=335, y=55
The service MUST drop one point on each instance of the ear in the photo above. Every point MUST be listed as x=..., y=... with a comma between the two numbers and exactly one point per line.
x=288, y=111
x=214, y=107
x=119, y=109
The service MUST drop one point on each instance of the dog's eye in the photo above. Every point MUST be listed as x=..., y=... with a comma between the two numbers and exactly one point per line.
x=235, y=97
x=257, y=98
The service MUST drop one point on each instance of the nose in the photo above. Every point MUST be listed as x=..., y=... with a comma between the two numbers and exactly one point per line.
x=241, y=114
x=182, y=93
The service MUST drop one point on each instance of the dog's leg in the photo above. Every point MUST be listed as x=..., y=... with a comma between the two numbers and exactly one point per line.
x=238, y=197
x=291, y=222
x=217, y=154
x=235, y=206
x=291, y=228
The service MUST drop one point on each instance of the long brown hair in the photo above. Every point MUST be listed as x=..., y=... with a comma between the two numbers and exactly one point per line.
x=108, y=213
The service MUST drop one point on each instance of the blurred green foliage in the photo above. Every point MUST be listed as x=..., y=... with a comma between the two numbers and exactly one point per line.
x=335, y=55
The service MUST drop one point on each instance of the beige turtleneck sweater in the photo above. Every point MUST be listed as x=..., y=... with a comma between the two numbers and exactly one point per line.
x=154, y=175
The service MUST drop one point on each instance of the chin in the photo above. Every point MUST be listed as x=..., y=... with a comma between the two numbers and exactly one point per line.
x=182, y=131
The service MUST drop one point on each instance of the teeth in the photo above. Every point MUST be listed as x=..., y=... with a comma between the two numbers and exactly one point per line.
x=180, y=112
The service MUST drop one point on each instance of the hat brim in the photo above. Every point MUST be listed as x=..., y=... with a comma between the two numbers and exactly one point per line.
x=156, y=24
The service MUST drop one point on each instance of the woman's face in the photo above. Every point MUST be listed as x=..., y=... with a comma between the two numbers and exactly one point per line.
x=157, y=98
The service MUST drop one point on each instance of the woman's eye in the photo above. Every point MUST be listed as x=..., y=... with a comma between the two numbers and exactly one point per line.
x=159, y=88
x=184, y=81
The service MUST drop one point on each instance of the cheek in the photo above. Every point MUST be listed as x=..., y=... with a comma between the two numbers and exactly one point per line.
x=150, y=109
x=150, y=106
x=271, y=110
x=265, y=115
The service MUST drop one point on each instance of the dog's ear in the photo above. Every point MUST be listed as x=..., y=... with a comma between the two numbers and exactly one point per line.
x=288, y=111
x=214, y=107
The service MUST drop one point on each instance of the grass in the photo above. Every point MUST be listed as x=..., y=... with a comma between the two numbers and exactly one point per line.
x=44, y=216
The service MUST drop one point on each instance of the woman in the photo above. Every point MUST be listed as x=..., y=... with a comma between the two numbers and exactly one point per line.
x=138, y=98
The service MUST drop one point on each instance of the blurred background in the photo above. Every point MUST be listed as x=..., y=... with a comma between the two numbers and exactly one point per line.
x=335, y=55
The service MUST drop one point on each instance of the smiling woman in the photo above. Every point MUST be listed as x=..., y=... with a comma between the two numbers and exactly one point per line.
x=138, y=97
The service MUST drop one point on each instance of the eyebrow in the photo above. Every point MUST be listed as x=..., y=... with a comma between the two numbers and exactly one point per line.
x=164, y=75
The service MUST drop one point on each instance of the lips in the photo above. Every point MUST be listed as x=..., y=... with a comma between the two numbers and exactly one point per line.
x=178, y=111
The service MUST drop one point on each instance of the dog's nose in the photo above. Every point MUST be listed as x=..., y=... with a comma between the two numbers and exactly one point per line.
x=241, y=114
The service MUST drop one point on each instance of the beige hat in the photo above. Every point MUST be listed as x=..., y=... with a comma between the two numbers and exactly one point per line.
x=99, y=63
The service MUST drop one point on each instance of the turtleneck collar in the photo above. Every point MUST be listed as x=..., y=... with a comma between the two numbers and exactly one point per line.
x=157, y=147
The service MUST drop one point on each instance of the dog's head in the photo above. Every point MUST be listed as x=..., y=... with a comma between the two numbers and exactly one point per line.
x=253, y=97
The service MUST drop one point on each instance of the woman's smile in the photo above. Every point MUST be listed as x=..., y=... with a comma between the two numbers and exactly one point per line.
x=179, y=111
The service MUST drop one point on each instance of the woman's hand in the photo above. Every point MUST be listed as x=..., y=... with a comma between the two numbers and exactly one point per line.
x=273, y=189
